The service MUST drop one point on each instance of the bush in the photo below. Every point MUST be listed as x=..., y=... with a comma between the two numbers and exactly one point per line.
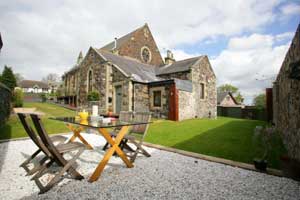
x=18, y=97
x=43, y=97
x=5, y=103
x=93, y=96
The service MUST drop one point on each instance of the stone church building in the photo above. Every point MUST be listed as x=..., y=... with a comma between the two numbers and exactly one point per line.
x=130, y=74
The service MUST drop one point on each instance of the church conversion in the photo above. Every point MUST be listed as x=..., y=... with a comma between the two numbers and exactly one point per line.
x=130, y=75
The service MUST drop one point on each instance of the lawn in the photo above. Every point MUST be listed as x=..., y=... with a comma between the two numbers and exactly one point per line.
x=227, y=138
x=14, y=129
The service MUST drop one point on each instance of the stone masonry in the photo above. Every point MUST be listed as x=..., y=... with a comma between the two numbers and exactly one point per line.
x=286, y=100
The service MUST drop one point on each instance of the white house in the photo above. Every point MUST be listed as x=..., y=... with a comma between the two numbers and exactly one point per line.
x=31, y=86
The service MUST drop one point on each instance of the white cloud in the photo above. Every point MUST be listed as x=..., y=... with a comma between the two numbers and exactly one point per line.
x=250, y=63
x=290, y=9
x=46, y=36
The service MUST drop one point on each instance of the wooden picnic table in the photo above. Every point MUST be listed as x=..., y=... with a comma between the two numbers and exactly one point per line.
x=77, y=125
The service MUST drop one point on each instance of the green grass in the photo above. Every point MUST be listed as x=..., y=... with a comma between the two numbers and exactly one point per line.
x=225, y=138
x=14, y=129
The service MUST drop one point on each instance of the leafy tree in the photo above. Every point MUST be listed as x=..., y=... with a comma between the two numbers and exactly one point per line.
x=18, y=97
x=260, y=101
x=228, y=88
x=8, y=78
x=234, y=91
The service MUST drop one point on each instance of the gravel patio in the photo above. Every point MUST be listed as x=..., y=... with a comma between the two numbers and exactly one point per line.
x=165, y=175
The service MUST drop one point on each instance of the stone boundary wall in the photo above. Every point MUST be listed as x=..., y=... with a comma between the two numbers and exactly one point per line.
x=286, y=100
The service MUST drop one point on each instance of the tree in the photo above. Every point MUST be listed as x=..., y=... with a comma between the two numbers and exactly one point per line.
x=51, y=78
x=260, y=101
x=19, y=78
x=228, y=88
x=8, y=78
x=233, y=90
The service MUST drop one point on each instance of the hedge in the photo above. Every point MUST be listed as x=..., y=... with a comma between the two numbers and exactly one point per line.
x=5, y=103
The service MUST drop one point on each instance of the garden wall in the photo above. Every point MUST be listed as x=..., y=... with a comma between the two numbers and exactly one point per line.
x=243, y=113
x=5, y=103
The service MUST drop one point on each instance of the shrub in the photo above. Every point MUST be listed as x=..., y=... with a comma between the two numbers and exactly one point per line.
x=93, y=96
x=43, y=97
x=18, y=97
x=5, y=103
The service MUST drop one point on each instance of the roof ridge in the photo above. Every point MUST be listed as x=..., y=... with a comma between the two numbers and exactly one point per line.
x=124, y=36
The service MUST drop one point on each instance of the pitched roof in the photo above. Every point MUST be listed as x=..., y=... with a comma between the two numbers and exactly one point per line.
x=178, y=66
x=32, y=83
x=120, y=40
x=222, y=95
x=131, y=68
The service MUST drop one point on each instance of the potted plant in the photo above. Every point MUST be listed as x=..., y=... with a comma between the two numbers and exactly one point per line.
x=110, y=111
x=263, y=140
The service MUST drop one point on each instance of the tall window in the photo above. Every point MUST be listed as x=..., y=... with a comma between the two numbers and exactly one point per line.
x=157, y=98
x=90, y=81
x=202, y=90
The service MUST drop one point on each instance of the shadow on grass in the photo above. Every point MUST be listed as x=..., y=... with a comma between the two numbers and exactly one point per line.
x=4, y=145
x=233, y=140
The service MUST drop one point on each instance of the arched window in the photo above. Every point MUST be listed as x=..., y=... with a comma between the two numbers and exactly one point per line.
x=90, y=81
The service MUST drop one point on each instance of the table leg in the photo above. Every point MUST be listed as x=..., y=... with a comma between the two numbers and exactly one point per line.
x=114, y=148
x=76, y=133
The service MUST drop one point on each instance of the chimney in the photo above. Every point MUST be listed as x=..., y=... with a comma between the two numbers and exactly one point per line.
x=169, y=59
x=114, y=49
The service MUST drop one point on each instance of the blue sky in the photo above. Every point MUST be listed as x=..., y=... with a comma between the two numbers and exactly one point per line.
x=246, y=41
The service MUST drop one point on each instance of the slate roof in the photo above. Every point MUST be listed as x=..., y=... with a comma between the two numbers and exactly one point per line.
x=132, y=68
x=32, y=83
x=222, y=95
x=178, y=66
x=121, y=40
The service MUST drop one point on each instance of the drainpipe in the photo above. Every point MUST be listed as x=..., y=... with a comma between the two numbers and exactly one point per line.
x=133, y=96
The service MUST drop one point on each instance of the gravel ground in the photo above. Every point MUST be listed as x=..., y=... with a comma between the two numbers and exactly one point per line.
x=165, y=175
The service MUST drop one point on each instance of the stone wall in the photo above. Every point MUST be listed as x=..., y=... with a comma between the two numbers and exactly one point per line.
x=286, y=101
x=203, y=73
x=94, y=63
x=141, y=101
x=186, y=105
x=141, y=38
x=163, y=111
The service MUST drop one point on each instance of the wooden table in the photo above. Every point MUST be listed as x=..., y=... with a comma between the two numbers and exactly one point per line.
x=77, y=125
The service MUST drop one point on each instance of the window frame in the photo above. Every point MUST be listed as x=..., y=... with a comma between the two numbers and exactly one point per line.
x=154, y=94
x=202, y=91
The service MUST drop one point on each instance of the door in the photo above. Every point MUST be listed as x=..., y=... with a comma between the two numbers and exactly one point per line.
x=173, y=103
x=118, y=99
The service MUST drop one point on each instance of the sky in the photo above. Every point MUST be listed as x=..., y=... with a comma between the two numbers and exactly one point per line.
x=246, y=41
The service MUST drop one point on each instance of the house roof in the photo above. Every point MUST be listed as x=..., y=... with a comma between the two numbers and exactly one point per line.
x=178, y=66
x=131, y=68
x=32, y=83
x=222, y=95
x=120, y=40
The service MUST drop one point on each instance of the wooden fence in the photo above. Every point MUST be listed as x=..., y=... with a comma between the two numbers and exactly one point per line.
x=248, y=112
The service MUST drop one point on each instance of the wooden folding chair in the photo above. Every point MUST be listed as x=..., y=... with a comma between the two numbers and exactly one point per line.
x=124, y=116
x=56, y=156
x=137, y=134
x=22, y=114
